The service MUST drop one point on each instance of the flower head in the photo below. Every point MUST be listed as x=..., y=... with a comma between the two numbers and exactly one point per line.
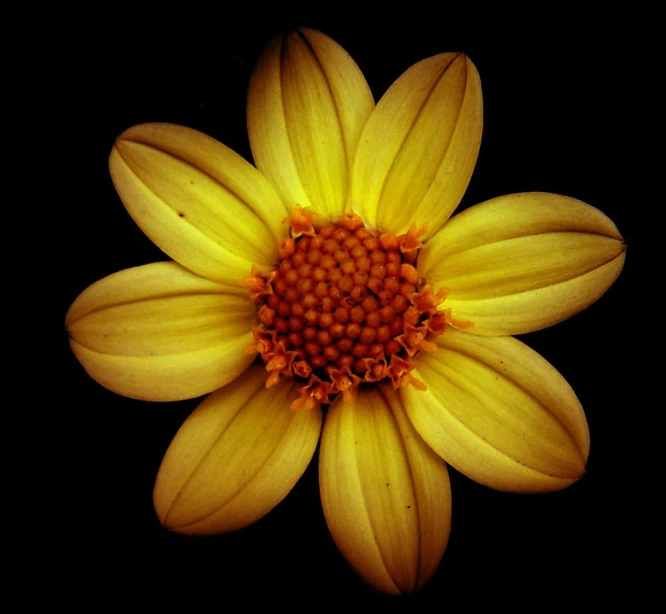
x=330, y=287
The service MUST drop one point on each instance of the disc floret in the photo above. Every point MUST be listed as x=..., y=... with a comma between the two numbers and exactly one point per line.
x=344, y=306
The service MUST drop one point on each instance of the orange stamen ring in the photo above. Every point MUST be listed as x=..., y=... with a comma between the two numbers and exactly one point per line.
x=344, y=306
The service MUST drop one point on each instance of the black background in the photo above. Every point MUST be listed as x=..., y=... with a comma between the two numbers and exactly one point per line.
x=555, y=99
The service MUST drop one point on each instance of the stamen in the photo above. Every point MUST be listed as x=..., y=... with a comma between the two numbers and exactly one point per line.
x=259, y=284
x=344, y=307
x=351, y=221
x=344, y=381
x=286, y=248
x=400, y=373
x=300, y=221
x=426, y=300
x=410, y=242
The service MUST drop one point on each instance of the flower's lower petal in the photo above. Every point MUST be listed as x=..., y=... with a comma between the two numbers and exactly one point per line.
x=499, y=413
x=236, y=457
x=522, y=262
x=307, y=104
x=418, y=150
x=385, y=494
x=161, y=333
x=197, y=200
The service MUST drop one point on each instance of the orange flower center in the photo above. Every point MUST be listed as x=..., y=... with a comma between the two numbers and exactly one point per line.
x=344, y=306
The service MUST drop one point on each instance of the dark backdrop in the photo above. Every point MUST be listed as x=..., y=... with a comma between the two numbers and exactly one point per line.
x=554, y=97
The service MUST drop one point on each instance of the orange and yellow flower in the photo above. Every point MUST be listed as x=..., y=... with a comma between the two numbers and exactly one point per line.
x=329, y=292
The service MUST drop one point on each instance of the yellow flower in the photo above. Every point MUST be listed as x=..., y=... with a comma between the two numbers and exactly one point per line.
x=418, y=370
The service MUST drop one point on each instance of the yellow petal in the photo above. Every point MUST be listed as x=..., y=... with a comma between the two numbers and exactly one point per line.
x=522, y=262
x=160, y=333
x=197, y=200
x=499, y=413
x=236, y=457
x=386, y=496
x=419, y=147
x=307, y=104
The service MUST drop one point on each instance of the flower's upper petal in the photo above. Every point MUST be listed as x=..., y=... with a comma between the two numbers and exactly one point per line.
x=385, y=494
x=522, y=262
x=197, y=200
x=236, y=457
x=160, y=333
x=418, y=150
x=307, y=104
x=499, y=413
